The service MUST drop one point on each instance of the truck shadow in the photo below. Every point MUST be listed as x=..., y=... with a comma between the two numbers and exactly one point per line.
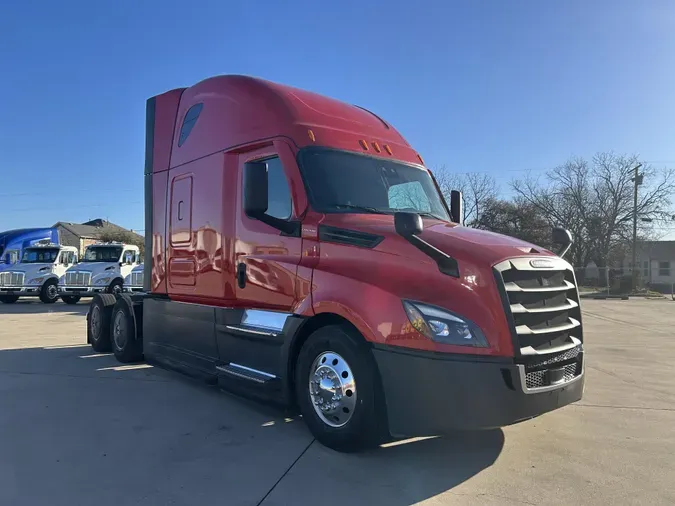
x=34, y=306
x=85, y=406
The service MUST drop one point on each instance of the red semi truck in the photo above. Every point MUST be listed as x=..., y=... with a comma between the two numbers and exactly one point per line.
x=299, y=251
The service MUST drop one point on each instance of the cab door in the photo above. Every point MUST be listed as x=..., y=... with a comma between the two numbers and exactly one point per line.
x=265, y=267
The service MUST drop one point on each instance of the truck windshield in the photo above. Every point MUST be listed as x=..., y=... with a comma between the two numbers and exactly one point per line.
x=343, y=182
x=103, y=254
x=39, y=255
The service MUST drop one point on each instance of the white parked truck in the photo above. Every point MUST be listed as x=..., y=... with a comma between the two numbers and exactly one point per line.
x=134, y=280
x=102, y=270
x=37, y=273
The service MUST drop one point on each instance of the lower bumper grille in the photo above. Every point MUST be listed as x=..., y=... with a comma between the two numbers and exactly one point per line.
x=543, y=378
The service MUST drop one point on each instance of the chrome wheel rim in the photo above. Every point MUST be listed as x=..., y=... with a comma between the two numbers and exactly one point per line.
x=119, y=330
x=332, y=389
x=95, y=322
x=52, y=292
x=117, y=289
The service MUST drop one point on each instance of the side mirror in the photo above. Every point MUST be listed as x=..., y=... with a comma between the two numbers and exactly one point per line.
x=255, y=189
x=561, y=236
x=457, y=206
x=408, y=224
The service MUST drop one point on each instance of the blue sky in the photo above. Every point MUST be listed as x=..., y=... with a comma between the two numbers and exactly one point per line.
x=492, y=86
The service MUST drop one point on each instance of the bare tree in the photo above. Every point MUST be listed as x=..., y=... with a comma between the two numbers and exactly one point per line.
x=594, y=200
x=478, y=189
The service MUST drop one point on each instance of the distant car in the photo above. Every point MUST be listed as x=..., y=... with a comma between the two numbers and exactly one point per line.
x=134, y=280
x=102, y=270
x=37, y=273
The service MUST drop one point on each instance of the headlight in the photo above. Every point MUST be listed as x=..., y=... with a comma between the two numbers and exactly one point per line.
x=102, y=281
x=443, y=326
x=36, y=281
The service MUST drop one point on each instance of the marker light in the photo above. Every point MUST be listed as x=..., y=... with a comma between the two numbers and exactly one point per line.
x=364, y=144
x=311, y=135
x=376, y=146
x=387, y=149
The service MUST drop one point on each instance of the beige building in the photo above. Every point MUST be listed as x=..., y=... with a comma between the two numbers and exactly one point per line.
x=82, y=235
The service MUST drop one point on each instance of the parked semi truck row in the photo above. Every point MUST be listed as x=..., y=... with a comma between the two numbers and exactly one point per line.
x=336, y=280
x=49, y=270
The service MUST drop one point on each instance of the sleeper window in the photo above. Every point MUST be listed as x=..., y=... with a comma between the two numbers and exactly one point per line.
x=189, y=122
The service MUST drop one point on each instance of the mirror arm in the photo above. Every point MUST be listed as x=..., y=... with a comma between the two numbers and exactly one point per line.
x=287, y=228
x=446, y=264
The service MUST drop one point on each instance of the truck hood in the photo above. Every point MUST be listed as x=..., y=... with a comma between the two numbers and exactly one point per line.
x=462, y=243
x=31, y=270
x=97, y=269
x=470, y=243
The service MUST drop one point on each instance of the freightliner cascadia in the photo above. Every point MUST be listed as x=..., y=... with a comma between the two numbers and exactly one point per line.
x=299, y=251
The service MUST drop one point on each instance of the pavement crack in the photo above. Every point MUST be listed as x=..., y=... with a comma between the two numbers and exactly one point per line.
x=286, y=472
x=607, y=406
x=83, y=376
x=497, y=496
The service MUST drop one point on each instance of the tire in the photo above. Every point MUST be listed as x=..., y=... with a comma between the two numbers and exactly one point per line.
x=98, y=322
x=358, y=421
x=115, y=287
x=9, y=299
x=70, y=299
x=125, y=344
x=49, y=292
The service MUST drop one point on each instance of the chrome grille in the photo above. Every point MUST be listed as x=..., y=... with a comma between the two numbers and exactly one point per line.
x=11, y=278
x=136, y=279
x=80, y=278
x=541, y=298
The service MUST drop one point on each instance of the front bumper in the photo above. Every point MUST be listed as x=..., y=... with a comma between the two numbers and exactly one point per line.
x=82, y=291
x=132, y=289
x=21, y=291
x=431, y=394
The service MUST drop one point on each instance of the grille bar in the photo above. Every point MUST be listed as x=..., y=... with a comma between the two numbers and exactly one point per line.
x=136, y=279
x=513, y=287
x=519, y=308
x=524, y=330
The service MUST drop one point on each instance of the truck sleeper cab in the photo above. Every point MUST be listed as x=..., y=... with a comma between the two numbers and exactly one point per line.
x=37, y=274
x=102, y=270
x=299, y=251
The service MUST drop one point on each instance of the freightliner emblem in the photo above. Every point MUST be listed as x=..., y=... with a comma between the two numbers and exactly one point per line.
x=541, y=263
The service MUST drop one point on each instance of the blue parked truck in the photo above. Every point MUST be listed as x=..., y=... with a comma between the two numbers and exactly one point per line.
x=12, y=242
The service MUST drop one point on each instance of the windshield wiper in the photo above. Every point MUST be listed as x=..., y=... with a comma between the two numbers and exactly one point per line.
x=372, y=210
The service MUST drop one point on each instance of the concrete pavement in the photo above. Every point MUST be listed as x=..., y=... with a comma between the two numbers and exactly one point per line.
x=77, y=428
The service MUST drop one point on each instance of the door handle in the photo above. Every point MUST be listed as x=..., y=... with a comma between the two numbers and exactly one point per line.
x=241, y=275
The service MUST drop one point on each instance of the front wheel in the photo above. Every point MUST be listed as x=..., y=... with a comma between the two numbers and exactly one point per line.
x=115, y=287
x=337, y=390
x=9, y=299
x=49, y=293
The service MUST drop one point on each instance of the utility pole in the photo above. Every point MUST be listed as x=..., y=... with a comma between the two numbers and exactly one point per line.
x=637, y=179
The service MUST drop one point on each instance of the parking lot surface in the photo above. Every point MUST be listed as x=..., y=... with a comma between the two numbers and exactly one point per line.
x=77, y=428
